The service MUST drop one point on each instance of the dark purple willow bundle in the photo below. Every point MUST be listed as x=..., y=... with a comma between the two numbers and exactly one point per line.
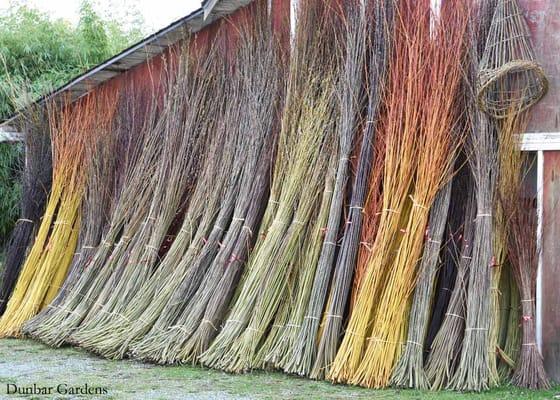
x=36, y=184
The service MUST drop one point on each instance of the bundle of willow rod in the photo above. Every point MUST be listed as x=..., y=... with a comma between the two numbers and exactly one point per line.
x=430, y=150
x=437, y=146
x=442, y=359
x=227, y=217
x=512, y=330
x=294, y=346
x=73, y=130
x=100, y=197
x=137, y=118
x=523, y=251
x=450, y=255
x=257, y=68
x=184, y=110
x=306, y=152
x=36, y=183
x=400, y=160
x=474, y=372
x=369, y=170
x=409, y=371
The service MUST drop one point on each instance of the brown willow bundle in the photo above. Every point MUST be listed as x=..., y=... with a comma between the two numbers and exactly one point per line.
x=100, y=198
x=409, y=371
x=474, y=372
x=258, y=76
x=75, y=131
x=450, y=254
x=443, y=357
x=523, y=252
x=293, y=347
x=509, y=75
x=36, y=183
x=184, y=110
x=242, y=147
x=368, y=174
x=437, y=145
x=306, y=150
x=137, y=116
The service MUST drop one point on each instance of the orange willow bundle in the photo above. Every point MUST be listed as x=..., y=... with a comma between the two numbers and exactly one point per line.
x=420, y=149
x=75, y=130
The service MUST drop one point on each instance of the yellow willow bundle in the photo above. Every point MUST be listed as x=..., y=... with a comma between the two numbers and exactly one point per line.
x=73, y=136
x=436, y=149
x=398, y=132
x=436, y=156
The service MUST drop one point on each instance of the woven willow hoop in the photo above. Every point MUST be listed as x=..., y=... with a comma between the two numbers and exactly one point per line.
x=509, y=77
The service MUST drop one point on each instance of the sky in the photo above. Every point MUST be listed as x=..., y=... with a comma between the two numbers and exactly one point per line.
x=156, y=13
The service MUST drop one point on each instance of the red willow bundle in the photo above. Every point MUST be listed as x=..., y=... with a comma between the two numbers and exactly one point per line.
x=36, y=183
x=137, y=116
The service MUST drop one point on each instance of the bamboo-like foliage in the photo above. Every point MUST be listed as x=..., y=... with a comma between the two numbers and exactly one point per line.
x=306, y=150
x=73, y=130
x=37, y=177
x=523, y=250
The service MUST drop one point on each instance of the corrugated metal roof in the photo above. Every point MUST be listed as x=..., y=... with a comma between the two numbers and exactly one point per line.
x=156, y=43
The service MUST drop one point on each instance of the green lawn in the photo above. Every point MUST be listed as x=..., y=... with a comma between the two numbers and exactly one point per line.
x=25, y=362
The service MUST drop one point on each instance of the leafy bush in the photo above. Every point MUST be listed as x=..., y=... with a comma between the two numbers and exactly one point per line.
x=37, y=54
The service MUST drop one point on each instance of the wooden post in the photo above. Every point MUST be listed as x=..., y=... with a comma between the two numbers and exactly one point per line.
x=550, y=269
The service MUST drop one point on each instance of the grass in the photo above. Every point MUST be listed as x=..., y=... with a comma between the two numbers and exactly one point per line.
x=25, y=362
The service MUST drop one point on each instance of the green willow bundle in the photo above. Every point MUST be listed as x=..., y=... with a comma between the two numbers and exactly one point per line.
x=295, y=345
x=512, y=330
x=184, y=110
x=36, y=183
x=306, y=150
x=170, y=330
x=409, y=371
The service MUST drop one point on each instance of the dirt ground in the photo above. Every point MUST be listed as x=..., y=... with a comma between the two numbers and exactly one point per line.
x=25, y=362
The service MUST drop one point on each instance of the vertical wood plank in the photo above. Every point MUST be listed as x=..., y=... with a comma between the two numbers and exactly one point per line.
x=550, y=278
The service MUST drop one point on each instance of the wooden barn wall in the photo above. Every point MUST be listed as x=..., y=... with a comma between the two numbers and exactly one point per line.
x=149, y=76
x=543, y=17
